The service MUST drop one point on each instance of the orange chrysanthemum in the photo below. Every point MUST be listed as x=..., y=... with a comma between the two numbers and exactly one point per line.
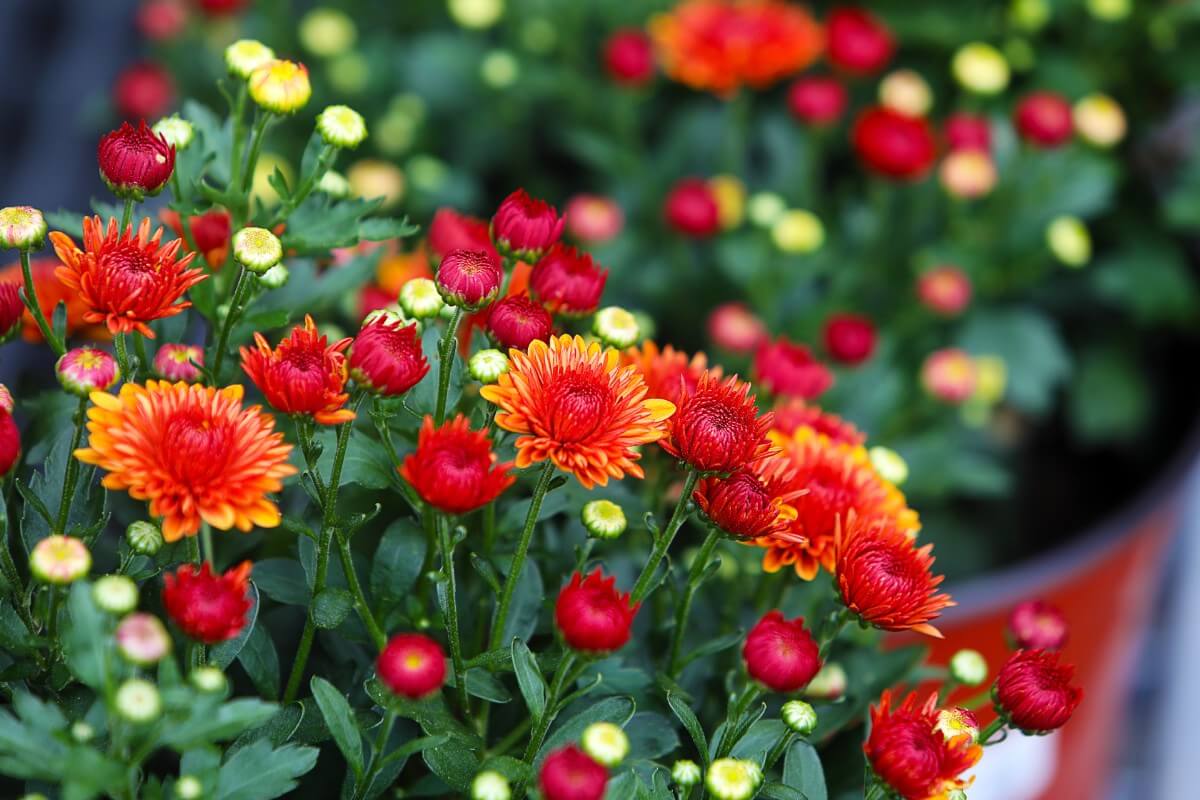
x=126, y=279
x=573, y=404
x=720, y=45
x=193, y=451
x=756, y=501
x=838, y=479
x=303, y=375
x=909, y=753
x=793, y=413
x=668, y=373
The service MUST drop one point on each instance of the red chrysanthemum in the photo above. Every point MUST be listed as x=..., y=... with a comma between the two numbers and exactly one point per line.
x=668, y=373
x=593, y=218
x=781, y=654
x=791, y=414
x=125, y=279
x=571, y=774
x=387, y=357
x=592, y=616
x=785, y=368
x=525, y=226
x=719, y=46
x=885, y=579
x=454, y=469
x=893, y=144
x=303, y=375
x=208, y=608
x=968, y=132
x=752, y=502
x=817, y=100
x=449, y=231
x=1044, y=119
x=858, y=42
x=735, y=328
x=567, y=281
x=469, y=278
x=50, y=293
x=911, y=755
x=849, y=338
x=412, y=665
x=11, y=308
x=573, y=404
x=1033, y=691
x=210, y=233
x=192, y=451
x=517, y=321
x=143, y=91
x=135, y=161
x=1037, y=625
x=10, y=441
x=717, y=427
x=691, y=208
x=629, y=57
x=161, y=20
x=945, y=290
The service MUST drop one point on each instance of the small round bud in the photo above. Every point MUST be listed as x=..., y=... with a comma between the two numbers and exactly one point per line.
x=82, y=732
x=257, y=249
x=730, y=194
x=371, y=178
x=476, y=14
x=275, y=278
x=280, y=86
x=828, y=684
x=420, y=298
x=733, y=778
x=968, y=174
x=246, y=55
x=603, y=519
x=980, y=68
x=907, y=92
x=176, y=130
x=798, y=231
x=968, y=667
x=327, y=32
x=142, y=639
x=341, y=126
x=685, y=773
x=1069, y=241
x=799, y=716
x=189, y=787
x=890, y=465
x=87, y=369
x=616, y=327
x=116, y=594
x=765, y=208
x=138, y=701
x=469, y=279
x=22, y=228
x=606, y=743
x=334, y=184
x=487, y=366
x=1030, y=15
x=1099, y=120
x=490, y=785
x=1110, y=10
x=60, y=560
x=209, y=680
x=144, y=537
x=499, y=69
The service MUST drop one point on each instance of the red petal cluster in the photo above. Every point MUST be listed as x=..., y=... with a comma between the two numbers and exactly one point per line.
x=10, y=441
x=449, y=231
x=303, y=375
x=517, y=321
x=567, y=281
x=857, y=41
x=454, y=469
x=1034, y=692
x=785, y=368
x=210, y=233
x=525, y=226
x=893, y=144
x=792, y=414
x=208, y=608
x=781, y=654
x=968, y=132
x=592, y=615
x=387, y=357
x=135, y=161
x=629, y=57
x=818, y=100
x=911, y=755
x=752, y=502
x=691, y=208
x=668, y=373
x=1037, y=625
x=412, y=665
x=1044, y=119
x=143, y=91
x=717, y=428
x=735, y=328
x=470, y=278
x=849, y=338
x=571, y=774
x=11, y=308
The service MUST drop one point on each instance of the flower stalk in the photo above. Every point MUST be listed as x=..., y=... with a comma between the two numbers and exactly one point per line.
x=663, y=543
x=518, y=561
x=684, y=608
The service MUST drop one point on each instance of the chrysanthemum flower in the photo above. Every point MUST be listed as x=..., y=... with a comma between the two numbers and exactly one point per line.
x=720, y=46
x=449, y=231
x=208, y=608
x=735, y=328
x=142, y=639
x=945, y=290
x=567, y=281
x=884, y=578
x=517, y=321
x=470, y=279
x=574, y=405
x=668, y=373
x=717, y=428
x=59, y=559
x=84, y=370
x=1037, y=625
x=525, y=226
x=911, y=755
x=193, y=451
x=210, y=232
x=135, y=161
x=593, y=218
x=859, y=43
x=752, y=502
x=785, y=368
x=412, y=665
x=280, y=86
x=1034, y=691
x=10, y=439
x=571, y=774
x=126, y=280
x=592, y=615
x=387, y=357
x=893, y=144
x=818, y=99
x=781, y=654
x=454, y=469
x=177, y=362
x=793, y=413
x=303, y=375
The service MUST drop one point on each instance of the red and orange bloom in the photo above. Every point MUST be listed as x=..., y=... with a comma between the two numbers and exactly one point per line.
x=125, y=279
x=668, y=373
x=735, y=328
x=193, y=451
x=950, y=375
x=754, y=501
x=717, y=428
x=1034, y=691
x=945, y=290
x=208, y=608
x=454, y=469
x=911, y=754
x=719, y=46
x=524, y=226
x=517, y=321
x=884, y=578
x=303, y=375
x=573, y=404
x=785, y=368
x=449, y=231
x=592, y=615
x=567, y=281
x=135, y=161
x=387, y=357
x=893, y=144
x=210, y=233
x=50, y=292
x=791, y=414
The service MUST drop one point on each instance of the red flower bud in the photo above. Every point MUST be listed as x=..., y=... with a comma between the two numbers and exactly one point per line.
x=592, y=615
x=751, y=502
x=469, y=279
x=716, y=428
x=849, y=338
x=567, y=281
x=11, y=308
x=143, y=91
x=781, y=654
x=1037, y=625
x=386, y=356
x=785, y=368
x=208, y=608
x=412, y=665
x=10, y=441
x=454, y=469
x=571, y=774
x=593, y=218
x=450, y=231
x=735, y=328
x=894, y=145
x=968, y=132
x=817, y=100
x=218, y=8
x=691, y=208
x=1044, y=119
x=516, y=321
x=857, y=41
x=525, y=226
x=1033, y=691
x=161, y=20
x=945, y=290
x=135, y=161
x=629, y=57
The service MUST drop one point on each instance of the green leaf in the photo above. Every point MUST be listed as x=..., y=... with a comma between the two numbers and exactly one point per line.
x=691, y=724
x=1034, y=354
x=226, y=721
x=802, y=770
x=14, y=636
x=529, y=679
x=86, y=638
x=214, y=138
x=781, y=792
x=761, y=737
x=261, y=662
x=1151, y=280
x=69, y=222
x=223, y=654
x=339, y=718
x=331, y=607
x=1108, y=399
x=321, y=224
x=381, y=229
x=481, y=683
x=455, y=762
x=526, y=603
x=258, y=772
x=651, y=735
x=397, y=562
x=282, y=580
x=617, y=710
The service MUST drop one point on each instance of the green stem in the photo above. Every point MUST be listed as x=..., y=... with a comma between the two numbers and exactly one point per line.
x=685, y=606
x=489, y=529
x=446, y=358
x=139, y=347
x=360, y=599
x=52, y=618
x=987, y=733
x=207, y=543
x=193, y=546
x=127, y=215
x=239, y=136
x=446, y=547
x=227, y=323
x=72, y=473
x=324, y=162
x=779, y=749
x=381, y=740
x=13, y=579
x=543, y=724
x=35, y=307
x=260, y=129
x=642, y=587
x=122, y=350
x=830, y=630
x=518, y=561
x=733, y=719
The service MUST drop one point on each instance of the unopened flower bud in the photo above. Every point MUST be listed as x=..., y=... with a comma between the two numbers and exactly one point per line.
x=606, y=743
x=476, y=14
x=828, y=684
x=334, y=184
x=907, y=92
x=1099, y=120
x=1110, y=10
x=275, y=278
x=144, y=537
x=798, y=231
x=603, y=519
x=490, y=785
x=764, y=208
x=176, y=130
x=60, y=560
x=341, y=126
x=189, y=787
x=209, y=680
x=82, y=732
x=469, y=279
x=257, y=249
x=730, y=194
x=616, y=327
x=499, y=69
x=1069, y=241
x=420, y=298
x=799, y=716
x=22, y=228
x=685, y=773
x=280, y=86
x=991, y=377
x=890, y=465
x=968, y=174
x=87, y=369
x=142, y=639
x=116, y=594
x=138, y=701
x=733, y=778
x=980, y=68
x=487, y=366
x=968, y=667
x=1031, y=15
x=246, y=55
x=327, y=32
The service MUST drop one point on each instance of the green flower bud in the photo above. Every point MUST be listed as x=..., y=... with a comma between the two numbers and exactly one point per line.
x=889, y=464
x=764, y=208
x=606, y=743
x=499, y=69
x=420, y=298
x=144, y=537
x=1069, y=241
x=275, y=278
x=798, y=231
x=487, y=366
x=209, y=680
x=327, y=32
x=176, y=130
x=980, y=68
x=829, y=683
x=969, y=667
x=116, y=594
x=138, y=701
x=733, y=778
x=82, y=732
x=257, y=249
x=603, y=519
x=490, y=785
x=334, y=184
x=246, y=55
x=799, y=716
x=685, y=773
x=341, y=126
x=477, y=14
x=616, y=327
x=189, y=787
x=22, y=228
